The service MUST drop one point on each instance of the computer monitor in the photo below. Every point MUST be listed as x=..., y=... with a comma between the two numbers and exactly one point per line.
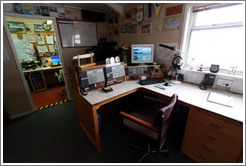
x=55, y=60
x=142, y=53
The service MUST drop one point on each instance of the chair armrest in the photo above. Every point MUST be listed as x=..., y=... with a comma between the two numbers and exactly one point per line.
x=156, y=100
x=139, y=121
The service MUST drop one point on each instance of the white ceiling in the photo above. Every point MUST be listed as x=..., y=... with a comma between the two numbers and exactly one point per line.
x=99, y=7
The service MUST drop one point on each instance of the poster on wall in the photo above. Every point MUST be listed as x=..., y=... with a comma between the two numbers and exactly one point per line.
x=68, y=14
x=25, y=50
x=31, y=37
x=38, y=27
x=134, y=14
x=146, y=29
x=53, y=12
x=164, y=55
x=7, y=7
x=18, y=8
x=128, y=17
x=45, y=10
x=132, y=28
x=16, y=27
x=124, y=29
x=28, y=9
x=171, y=23
x=61, y=12
x=37, y=10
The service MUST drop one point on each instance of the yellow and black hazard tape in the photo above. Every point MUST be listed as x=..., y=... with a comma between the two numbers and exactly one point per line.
x=53, y=104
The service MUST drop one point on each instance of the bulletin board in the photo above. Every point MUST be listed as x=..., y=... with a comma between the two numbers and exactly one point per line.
x=74, y=33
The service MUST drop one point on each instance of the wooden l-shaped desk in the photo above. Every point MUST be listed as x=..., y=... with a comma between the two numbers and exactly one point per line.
x=214, y=133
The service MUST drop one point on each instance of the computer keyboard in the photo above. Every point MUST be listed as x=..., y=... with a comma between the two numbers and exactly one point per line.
x=152, y=81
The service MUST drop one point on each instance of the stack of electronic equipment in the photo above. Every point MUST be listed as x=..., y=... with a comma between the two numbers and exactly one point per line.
x=100, y=76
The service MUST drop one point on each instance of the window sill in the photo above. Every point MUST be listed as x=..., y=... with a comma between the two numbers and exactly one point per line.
x=239, y=75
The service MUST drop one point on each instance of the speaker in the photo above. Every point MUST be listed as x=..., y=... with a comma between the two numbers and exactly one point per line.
x=93, y=16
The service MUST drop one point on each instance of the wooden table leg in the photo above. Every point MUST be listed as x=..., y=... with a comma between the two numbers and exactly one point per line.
x=87, y=116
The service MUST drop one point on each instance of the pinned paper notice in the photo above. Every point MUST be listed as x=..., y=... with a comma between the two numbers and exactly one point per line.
x=49, y=39
x=51, y=48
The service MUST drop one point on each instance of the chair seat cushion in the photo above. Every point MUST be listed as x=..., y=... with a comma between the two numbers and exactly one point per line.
x=146, y=115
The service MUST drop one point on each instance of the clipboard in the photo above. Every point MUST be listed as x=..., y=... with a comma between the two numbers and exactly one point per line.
x=221, y=99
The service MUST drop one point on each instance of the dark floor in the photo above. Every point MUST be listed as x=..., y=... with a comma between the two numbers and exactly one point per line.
x=53, y=135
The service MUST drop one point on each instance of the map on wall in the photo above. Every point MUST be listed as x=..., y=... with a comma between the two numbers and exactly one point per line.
x=25, y=49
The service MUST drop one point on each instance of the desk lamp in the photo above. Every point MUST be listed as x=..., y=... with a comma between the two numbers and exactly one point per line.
x=175, y=65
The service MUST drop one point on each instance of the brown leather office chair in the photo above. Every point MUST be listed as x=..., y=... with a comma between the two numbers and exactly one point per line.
x=150, y=124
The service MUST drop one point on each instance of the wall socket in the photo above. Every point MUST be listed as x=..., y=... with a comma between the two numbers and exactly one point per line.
x=224, y=82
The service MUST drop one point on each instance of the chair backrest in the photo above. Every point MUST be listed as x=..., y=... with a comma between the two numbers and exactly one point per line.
x=162, y=119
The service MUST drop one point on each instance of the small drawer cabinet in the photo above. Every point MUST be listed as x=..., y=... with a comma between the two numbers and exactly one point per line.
x=211, y=138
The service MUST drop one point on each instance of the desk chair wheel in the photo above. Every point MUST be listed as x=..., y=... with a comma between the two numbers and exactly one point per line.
x=149, y=152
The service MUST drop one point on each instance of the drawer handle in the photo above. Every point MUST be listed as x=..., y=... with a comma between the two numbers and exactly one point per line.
x=210, y=137
x=207, y=148
x=214, y=125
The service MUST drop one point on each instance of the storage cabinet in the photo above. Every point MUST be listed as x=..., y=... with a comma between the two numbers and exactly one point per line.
x=37, y=81
x=212, y=138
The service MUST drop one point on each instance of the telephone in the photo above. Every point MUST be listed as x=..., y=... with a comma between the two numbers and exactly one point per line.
x=108, y=74
x=208, y=81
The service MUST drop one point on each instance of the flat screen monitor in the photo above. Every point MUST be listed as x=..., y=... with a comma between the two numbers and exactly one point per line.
x=142, y=53
x=55, y=60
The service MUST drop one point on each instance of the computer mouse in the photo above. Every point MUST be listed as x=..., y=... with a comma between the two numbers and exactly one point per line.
x=166, y=84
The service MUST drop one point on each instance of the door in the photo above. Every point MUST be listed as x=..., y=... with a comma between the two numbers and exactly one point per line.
x=37, y=52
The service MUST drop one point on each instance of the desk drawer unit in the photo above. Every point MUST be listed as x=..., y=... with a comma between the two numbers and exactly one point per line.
x=211, y=138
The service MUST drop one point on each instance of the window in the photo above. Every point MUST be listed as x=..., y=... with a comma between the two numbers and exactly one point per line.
x=215, y=35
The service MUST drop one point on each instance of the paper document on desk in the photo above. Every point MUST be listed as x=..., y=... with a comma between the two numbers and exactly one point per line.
x=222, y=99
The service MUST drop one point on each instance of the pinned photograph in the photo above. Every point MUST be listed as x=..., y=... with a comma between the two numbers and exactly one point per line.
x=171, y=23
x=18, y=8
x=28, y=9
x=18, y=27
x=37, y=10
x=128, y=17
x=124, y=29
x=132, y=28
x=146, y=29
x=45, y=11
x=38, y=27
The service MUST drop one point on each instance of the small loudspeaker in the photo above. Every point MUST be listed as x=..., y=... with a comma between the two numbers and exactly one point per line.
x=214, y=68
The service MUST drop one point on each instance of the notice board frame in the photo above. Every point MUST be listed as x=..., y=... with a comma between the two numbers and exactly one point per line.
x=71, y=20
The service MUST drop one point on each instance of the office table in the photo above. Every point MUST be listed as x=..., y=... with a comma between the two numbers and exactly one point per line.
x=41, y=79
x=218, y=118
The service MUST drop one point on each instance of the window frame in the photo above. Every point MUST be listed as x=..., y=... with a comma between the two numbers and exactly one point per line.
x=189, y=26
